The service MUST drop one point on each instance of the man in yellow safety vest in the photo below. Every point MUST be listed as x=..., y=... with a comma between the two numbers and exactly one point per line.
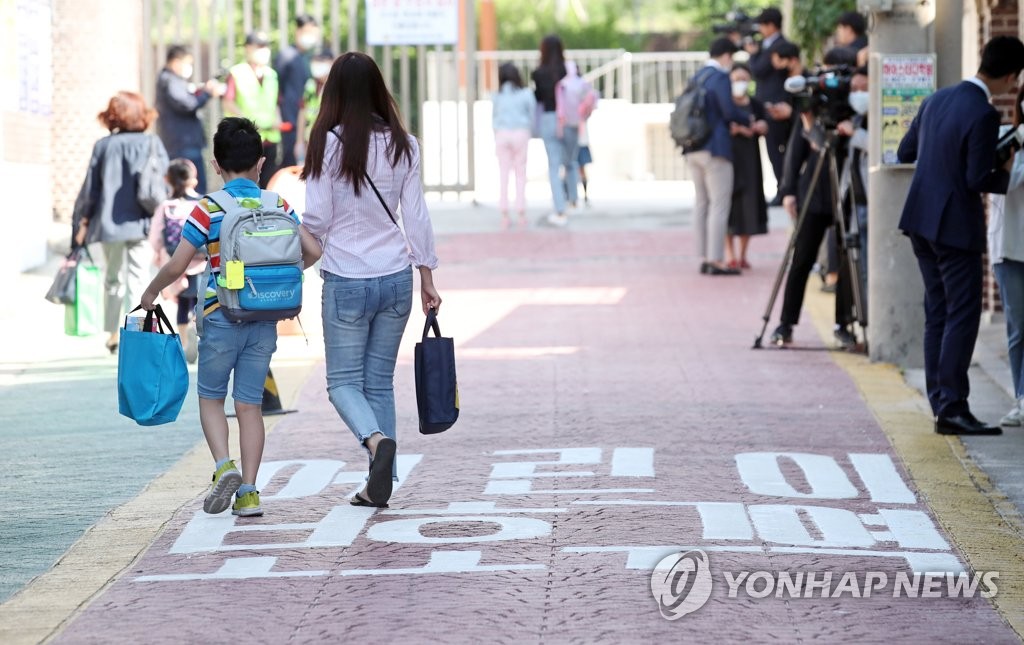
x=252, y=92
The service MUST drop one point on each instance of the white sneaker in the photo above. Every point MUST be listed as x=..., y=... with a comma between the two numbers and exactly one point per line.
x=558, y=220
x=1013, y=418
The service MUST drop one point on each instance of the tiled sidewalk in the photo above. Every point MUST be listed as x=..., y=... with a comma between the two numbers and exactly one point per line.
x=613, y=413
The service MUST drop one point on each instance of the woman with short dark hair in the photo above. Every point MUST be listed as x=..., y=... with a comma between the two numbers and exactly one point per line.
x=362, y=170
x=107, y=209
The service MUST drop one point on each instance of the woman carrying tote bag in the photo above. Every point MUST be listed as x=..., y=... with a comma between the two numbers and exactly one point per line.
x=108, y=210
x=362, y=168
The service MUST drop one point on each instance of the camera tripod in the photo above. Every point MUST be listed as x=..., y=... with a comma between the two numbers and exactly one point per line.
x=848, y=238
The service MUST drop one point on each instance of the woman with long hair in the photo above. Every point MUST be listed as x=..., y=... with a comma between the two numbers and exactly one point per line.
x=562, y=147
x=362, y=170
x=107, y=209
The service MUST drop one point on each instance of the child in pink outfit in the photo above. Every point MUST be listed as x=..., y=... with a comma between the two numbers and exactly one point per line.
x=164, y=234
x=512, y=119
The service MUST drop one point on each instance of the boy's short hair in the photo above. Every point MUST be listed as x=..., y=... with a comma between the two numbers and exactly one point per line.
x=237, y=144
x=1002, y=56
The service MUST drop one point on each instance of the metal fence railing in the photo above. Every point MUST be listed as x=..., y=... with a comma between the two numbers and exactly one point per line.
x=647, y=77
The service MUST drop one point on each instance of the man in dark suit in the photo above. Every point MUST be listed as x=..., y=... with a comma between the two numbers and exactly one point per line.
x=953, y=140
x=770, y=89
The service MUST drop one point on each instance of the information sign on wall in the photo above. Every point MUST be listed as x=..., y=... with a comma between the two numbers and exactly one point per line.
x=412, y=22
x=907, y=80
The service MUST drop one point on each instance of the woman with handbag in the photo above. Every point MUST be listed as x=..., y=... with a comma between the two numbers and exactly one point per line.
x=110, y=208
x=361, y=166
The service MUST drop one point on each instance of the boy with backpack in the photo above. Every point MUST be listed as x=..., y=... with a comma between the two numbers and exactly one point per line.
x=256, y=250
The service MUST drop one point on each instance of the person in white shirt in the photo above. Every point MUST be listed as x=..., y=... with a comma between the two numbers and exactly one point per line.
x=362, y=168
x=1006, y=253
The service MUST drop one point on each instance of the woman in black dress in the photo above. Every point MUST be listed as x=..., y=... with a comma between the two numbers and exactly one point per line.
x=749, y=214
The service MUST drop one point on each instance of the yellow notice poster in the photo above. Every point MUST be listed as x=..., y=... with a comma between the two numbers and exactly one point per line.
x=906, y=81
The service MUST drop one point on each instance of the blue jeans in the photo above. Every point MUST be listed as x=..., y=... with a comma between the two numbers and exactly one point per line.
x=1010, y=276
x=244, y=348
x=561, y=152
x=364, y=320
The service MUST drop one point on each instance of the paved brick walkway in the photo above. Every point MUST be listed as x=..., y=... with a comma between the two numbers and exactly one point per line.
x=613, y=413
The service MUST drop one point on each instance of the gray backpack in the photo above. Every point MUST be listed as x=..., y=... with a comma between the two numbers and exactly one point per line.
x=260, y=260
x=688, y=123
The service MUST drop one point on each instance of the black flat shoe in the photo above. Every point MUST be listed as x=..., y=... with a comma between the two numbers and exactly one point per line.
x=964, y=424
x=359, y=500
x=380, y=484
x=714, y=269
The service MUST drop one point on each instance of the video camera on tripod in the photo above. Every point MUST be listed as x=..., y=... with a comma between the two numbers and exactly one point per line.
x=825, y=93
x=739, y=22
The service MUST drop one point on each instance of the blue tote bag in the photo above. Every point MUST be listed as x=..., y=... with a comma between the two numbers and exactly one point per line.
x=152, y=378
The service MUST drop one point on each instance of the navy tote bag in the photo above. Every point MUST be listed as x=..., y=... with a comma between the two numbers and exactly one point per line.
x=437, y=391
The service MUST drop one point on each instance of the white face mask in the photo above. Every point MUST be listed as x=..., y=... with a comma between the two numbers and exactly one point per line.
x=260, y=56
x=320, y=70
x=860, y=101
x=308, y=41
x=739, y=88
x=186, y=71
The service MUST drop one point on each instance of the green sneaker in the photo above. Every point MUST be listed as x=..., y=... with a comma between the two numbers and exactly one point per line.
x=247, y=505
x=226, y=481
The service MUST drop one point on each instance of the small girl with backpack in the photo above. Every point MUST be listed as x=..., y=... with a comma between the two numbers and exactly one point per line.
x=164, y=235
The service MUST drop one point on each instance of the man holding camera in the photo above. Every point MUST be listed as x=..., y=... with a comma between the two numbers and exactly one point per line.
x=953, y=140
x=816, y=199
x=770, y=89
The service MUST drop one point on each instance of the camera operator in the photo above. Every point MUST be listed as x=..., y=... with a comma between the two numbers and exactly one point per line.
x=801, y=158
x=854, y=180
x=769, y=89
x=953, y=140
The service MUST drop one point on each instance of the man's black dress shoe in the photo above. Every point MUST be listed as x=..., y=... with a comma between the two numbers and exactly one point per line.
x=964, y=424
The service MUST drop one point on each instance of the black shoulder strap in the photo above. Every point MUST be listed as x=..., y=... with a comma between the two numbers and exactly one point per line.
x=382, y=202
x=375, y=191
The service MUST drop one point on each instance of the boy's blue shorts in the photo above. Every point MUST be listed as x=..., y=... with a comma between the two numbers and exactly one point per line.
x=242, y=347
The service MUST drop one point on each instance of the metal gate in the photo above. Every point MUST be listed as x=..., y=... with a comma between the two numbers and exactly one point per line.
x=214, y=30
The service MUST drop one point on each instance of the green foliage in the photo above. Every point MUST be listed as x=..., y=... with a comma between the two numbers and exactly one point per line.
x=702, y=15
x=813, y=22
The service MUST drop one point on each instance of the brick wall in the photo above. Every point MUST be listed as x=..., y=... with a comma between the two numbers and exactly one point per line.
x=97, y=46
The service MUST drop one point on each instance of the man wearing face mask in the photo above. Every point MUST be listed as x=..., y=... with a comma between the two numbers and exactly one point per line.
x=320, y=67
x=855, y=170
x=953, y=141
x=252, y=92
x=178, y=101
x=816, y=199
x=293, y=70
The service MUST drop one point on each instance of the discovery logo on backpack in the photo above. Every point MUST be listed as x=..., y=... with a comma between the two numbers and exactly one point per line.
x=260, y=260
